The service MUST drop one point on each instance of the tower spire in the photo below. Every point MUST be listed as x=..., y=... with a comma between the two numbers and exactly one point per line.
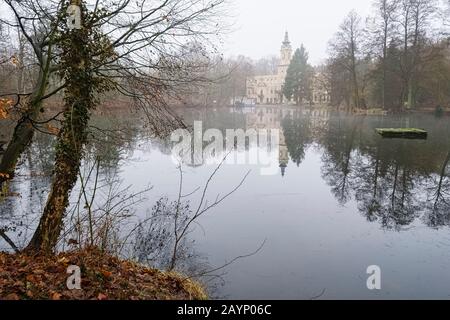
x=286, y=39
x=286, y=51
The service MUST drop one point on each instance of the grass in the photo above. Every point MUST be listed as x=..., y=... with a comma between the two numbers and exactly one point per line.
x=103, y=277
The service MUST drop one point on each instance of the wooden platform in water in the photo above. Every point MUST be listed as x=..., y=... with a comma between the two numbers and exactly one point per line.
x=402, y=133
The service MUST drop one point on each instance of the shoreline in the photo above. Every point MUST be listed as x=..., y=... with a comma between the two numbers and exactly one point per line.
x=102, y=277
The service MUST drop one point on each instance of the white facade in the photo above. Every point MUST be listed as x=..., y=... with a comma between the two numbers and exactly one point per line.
x=268, y=89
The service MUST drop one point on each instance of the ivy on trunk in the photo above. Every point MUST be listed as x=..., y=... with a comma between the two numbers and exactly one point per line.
x=78, y=48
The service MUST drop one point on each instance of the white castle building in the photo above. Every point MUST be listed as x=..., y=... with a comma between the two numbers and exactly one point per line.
x=268, y=89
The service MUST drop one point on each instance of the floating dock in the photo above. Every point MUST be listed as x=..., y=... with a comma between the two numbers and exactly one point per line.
x=402, y=133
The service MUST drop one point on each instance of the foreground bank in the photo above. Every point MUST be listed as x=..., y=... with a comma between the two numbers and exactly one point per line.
x=102, y=277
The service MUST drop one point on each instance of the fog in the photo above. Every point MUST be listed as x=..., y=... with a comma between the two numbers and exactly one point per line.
x=259, y=25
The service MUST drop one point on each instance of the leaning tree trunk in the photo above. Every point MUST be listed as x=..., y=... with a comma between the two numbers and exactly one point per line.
x=24, y=130
x=23, y=134
x=68, y=158
x=71, y=139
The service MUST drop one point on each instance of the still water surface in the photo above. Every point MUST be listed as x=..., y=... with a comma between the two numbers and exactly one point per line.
x=347, y=199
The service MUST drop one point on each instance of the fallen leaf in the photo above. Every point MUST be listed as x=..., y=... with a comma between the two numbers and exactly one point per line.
x=106, y=274
x=53, y=130
x=56, y=296
x=63, y=260
x=4, y=175
x=19, y=284
x=15, y=61
x=5, y=104
x=102, y=296
x=12, y=296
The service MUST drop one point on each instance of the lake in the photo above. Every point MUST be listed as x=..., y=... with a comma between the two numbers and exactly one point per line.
x=342, y=199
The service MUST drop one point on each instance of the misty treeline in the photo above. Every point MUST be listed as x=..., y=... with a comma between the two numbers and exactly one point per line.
x=397, y=58
x=145, y=54
x=227, y=83
x=218, y=79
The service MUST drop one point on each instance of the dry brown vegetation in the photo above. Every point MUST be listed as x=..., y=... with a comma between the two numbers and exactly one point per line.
x=103, y=277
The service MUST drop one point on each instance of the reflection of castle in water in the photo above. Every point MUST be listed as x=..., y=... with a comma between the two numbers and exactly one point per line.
x=272, y=117
x=257, y=118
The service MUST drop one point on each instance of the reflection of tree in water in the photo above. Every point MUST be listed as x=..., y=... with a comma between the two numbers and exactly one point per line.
x=393, y=181
x=25, y=195
x=385, y=176
x=297, y=133
x=40, y=154
x=155, y=239
x=338, y=142
x=438, y=204
x=221, y=119
x=110, y=142
x=388, y=183
x=162, y=239
x=388, y=197
x=437, y=184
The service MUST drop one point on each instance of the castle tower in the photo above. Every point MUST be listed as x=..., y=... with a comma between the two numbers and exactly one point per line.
x=286, y=51
x=285, y=58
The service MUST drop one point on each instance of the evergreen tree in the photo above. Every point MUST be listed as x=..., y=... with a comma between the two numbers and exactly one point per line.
x=297, y=84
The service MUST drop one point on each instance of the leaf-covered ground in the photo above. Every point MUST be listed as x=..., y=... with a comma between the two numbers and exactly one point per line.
x=103, y=277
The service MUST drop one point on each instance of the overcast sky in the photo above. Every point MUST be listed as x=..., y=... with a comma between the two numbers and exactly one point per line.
x=260, y=25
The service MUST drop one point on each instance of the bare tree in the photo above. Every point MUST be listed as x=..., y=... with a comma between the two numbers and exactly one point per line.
x=345, y=49
x=163, y=235
x=266, y=65
x=414, y=18
x=138, y=49
x=150, y=41
x=383, y=32
x=37, y=23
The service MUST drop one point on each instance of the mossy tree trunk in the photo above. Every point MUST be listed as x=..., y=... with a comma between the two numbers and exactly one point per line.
x=68, y=158
x=71, y=139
